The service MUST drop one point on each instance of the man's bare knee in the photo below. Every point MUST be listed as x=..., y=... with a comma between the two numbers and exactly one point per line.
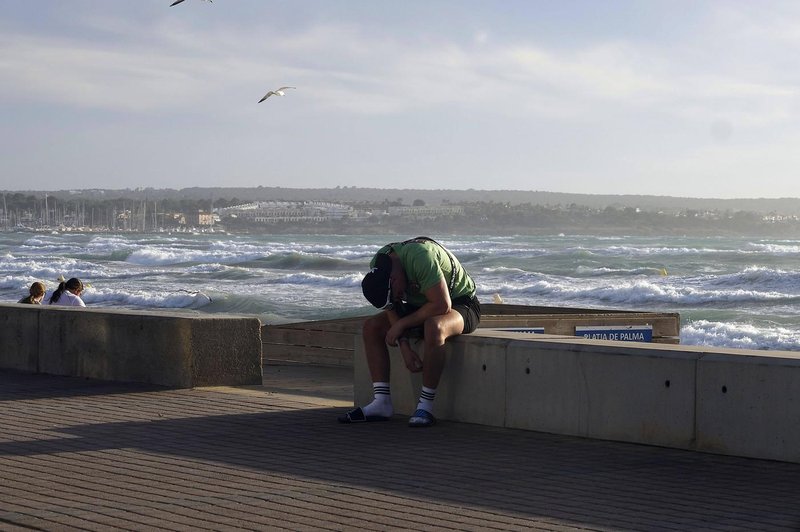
x=435, y=332
x=375, y=327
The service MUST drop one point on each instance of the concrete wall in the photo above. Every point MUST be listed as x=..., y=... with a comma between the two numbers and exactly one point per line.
x=748, y=404
x=167, y=348
x=728, y=401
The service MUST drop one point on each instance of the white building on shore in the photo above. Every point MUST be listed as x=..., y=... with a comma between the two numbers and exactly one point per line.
x=425, y=212
x=270, y=212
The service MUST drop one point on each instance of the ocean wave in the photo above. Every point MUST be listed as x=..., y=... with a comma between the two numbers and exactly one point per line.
x=350, y=252
x=502, y=269
x=761, y=277
x=111, y=243
x=635, y=251
x=304, y=278
x=281, y=257
x=221, y=272
x=775, y=248
x=306, y=261
x=599, y=271
x=299, y=277
x=14, y=283
x=50, y=249
x=49, y=270
x=638, y=292
x=264, y=249
x=42, y=241
x=162, y=257
x=107, y=297
x=644, y=292
x=213, y=267
x=740, y=335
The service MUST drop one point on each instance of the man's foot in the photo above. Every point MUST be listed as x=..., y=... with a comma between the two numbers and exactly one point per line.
x=421, y=418
x=357, y=415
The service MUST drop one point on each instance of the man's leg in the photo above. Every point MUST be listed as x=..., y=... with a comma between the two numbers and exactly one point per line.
x=437, y=330
x=374, y=336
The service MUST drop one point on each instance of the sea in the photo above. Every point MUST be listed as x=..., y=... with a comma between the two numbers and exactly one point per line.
x=730, y=291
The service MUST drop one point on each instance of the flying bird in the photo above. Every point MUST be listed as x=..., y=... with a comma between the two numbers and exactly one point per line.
x=176, y=2
x=276, y=92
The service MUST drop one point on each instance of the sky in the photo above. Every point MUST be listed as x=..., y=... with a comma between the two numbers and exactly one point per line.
x=672, y=98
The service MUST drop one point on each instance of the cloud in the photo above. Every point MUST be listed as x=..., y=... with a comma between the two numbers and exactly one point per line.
x=656, y=106
x=169, y=65
x=58, y=71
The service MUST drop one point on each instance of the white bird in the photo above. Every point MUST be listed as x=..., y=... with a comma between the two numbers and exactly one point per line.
x=176, y=2
x=276, y=92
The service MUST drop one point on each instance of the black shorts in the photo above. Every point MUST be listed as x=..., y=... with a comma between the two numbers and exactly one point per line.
x=468, y=307
x=470, y=310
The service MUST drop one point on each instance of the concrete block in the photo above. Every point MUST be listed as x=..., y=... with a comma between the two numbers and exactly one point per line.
x=115, y=345
x=169, y=349
x=473, y=385
x=585, y=388
x=19, y=338
x=362, y=382
x=472, y=388
x=749, y=405
x=226, y=351
x=405, y=385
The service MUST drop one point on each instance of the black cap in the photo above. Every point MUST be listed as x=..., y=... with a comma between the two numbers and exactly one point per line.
x=376, y=283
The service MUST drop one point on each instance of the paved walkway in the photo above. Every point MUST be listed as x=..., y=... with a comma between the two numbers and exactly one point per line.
x=81, y=454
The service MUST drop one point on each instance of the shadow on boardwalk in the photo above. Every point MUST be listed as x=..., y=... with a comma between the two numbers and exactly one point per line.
x=256, y=459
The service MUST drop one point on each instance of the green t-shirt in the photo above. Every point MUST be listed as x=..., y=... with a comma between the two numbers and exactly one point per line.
x=425, y=264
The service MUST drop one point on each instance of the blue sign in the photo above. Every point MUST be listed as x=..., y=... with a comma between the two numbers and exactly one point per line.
x=624, y=333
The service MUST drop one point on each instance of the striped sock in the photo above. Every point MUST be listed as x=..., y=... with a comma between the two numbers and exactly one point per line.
x=381, y=405
x=426, y=398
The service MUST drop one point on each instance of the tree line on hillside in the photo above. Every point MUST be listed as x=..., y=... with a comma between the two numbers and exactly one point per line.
x=348, y=194
x=126, y=213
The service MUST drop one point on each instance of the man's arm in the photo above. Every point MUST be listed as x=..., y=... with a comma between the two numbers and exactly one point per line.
x=438, y=303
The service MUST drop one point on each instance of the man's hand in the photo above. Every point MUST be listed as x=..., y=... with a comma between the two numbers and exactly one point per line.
x=410, y=357
x=394, y=333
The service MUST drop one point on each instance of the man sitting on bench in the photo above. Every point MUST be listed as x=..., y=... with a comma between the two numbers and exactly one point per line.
x=418, y=284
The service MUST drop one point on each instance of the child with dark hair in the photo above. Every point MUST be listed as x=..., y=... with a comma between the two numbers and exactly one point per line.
x=68, y=294
x=37, y=291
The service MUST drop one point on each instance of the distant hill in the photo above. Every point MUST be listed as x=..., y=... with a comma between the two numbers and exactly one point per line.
x=785, y=206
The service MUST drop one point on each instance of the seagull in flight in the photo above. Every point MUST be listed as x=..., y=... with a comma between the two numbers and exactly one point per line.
x=276, y=92
x=176, y=2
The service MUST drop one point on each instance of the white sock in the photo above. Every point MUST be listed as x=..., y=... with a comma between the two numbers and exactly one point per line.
x=381, y=405
x=426, y=398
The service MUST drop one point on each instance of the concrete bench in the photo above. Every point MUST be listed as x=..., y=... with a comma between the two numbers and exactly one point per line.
x=727, y=401
x=168, y=348
x=330, y=342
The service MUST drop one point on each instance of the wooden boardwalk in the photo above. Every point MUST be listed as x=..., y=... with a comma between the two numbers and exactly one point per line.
x=77, y=454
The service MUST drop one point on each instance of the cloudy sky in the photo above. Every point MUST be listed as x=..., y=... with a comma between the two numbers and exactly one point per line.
x=683, y=98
